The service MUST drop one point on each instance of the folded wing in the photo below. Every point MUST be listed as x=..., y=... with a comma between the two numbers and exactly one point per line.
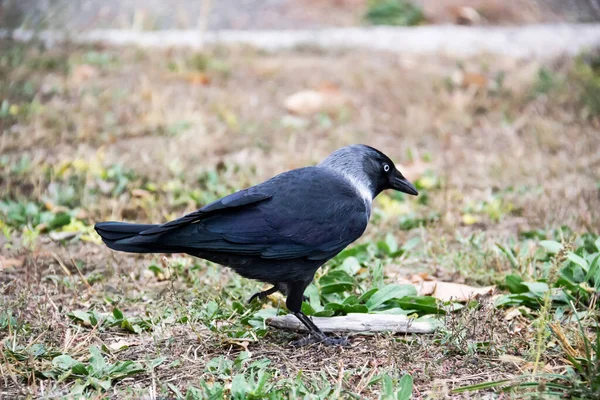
x=305, y=213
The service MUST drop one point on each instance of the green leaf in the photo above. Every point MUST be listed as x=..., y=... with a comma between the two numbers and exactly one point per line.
x=174, y=389
x=514, y=283
x=480, y=386
x=594, y=272
x=122, y=369
x=79, y=369
x=128, y=326
x=239, y=386
x=579, y=261
x=118, y=314
x=307, y=309
x=64, y=362
x=421, y=304
x=387, y=388
x=97, y=363
x=314, y=298
x=355, y=309
x=87, y=317
x=333, y=307
x=389, y=245
x=551, y=246
x=411, y=244
x=367, y=295
x=324, y=313
x=78, y=388
x=389, y=292
x=537, y=288
x=100, y=383
x=59, y=220
x=336, y=281
x=359, y=251
x=391, y=242
x=336, y=288
x=156, y=362
x=406, y=387
x=509, y=254
x=351, y=266
x=597, y=243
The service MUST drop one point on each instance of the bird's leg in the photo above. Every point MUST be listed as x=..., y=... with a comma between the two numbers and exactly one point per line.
x=315, y=335
x=262, y=295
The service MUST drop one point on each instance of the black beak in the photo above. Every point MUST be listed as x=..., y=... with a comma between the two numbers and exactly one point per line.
x=402, y=184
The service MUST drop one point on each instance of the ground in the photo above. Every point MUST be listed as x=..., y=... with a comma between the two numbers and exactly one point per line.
x=505, y=154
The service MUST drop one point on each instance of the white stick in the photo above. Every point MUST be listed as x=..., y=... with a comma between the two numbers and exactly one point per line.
x=356, y=323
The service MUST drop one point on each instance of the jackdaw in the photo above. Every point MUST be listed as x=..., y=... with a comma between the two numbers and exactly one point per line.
x=280, y=231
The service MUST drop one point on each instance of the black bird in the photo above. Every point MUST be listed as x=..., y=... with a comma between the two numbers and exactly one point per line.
x=280, y=231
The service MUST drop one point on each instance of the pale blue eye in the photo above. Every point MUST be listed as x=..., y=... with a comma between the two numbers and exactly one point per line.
x=386, y=167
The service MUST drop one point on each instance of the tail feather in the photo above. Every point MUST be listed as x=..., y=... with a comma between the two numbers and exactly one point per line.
x=122, y=236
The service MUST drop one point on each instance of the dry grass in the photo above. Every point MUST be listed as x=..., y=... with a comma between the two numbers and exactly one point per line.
x=512, y=160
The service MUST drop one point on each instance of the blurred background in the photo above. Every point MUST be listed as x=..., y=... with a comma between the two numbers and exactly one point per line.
x=285, y=14
x=491, y=107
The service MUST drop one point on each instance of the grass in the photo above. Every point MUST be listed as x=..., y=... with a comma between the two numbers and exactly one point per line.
x=507, y=176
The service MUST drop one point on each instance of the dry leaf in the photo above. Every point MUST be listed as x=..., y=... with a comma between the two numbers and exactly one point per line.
x=467, y=16
x=123, y=344
x=306, y=102
x=83, y=72
x=197, y=78
x=474, y=79
x=447, y=291
x=512, y=314
x=11, y=262
x=141, y=193
x=60, y=236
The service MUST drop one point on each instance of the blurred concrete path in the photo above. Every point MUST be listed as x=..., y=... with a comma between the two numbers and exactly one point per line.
x=80, y=15
x=520, y=42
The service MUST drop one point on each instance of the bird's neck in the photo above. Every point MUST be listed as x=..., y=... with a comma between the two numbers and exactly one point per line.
x=350, y=168
x=361, y=187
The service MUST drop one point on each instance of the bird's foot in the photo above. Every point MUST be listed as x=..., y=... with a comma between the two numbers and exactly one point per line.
x=262, y=295
x=319, y=338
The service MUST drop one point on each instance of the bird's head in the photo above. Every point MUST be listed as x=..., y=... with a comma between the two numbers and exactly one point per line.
x=369, y=169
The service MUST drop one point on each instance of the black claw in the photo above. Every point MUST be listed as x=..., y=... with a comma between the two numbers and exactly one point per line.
x=262, y=295
x=254, y=296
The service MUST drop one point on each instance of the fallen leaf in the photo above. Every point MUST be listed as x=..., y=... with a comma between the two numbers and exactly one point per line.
x=307, y=102
x=59, y=236
x=447, y=291
x=469, y=219
x=474, y=79
x=243, y=344
x=83, y=72
x=420, y=277
x=141, y=193
x=512, y=313
x=11, y=262
x=467, y=16
x=123, y=344
x=197, y=78
x=523, y=364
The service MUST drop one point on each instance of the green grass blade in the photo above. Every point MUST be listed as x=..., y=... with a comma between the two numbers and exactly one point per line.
x=480, y=386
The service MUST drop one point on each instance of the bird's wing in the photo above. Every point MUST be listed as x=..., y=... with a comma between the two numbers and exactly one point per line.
x=237, y=199
x=305, y=213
